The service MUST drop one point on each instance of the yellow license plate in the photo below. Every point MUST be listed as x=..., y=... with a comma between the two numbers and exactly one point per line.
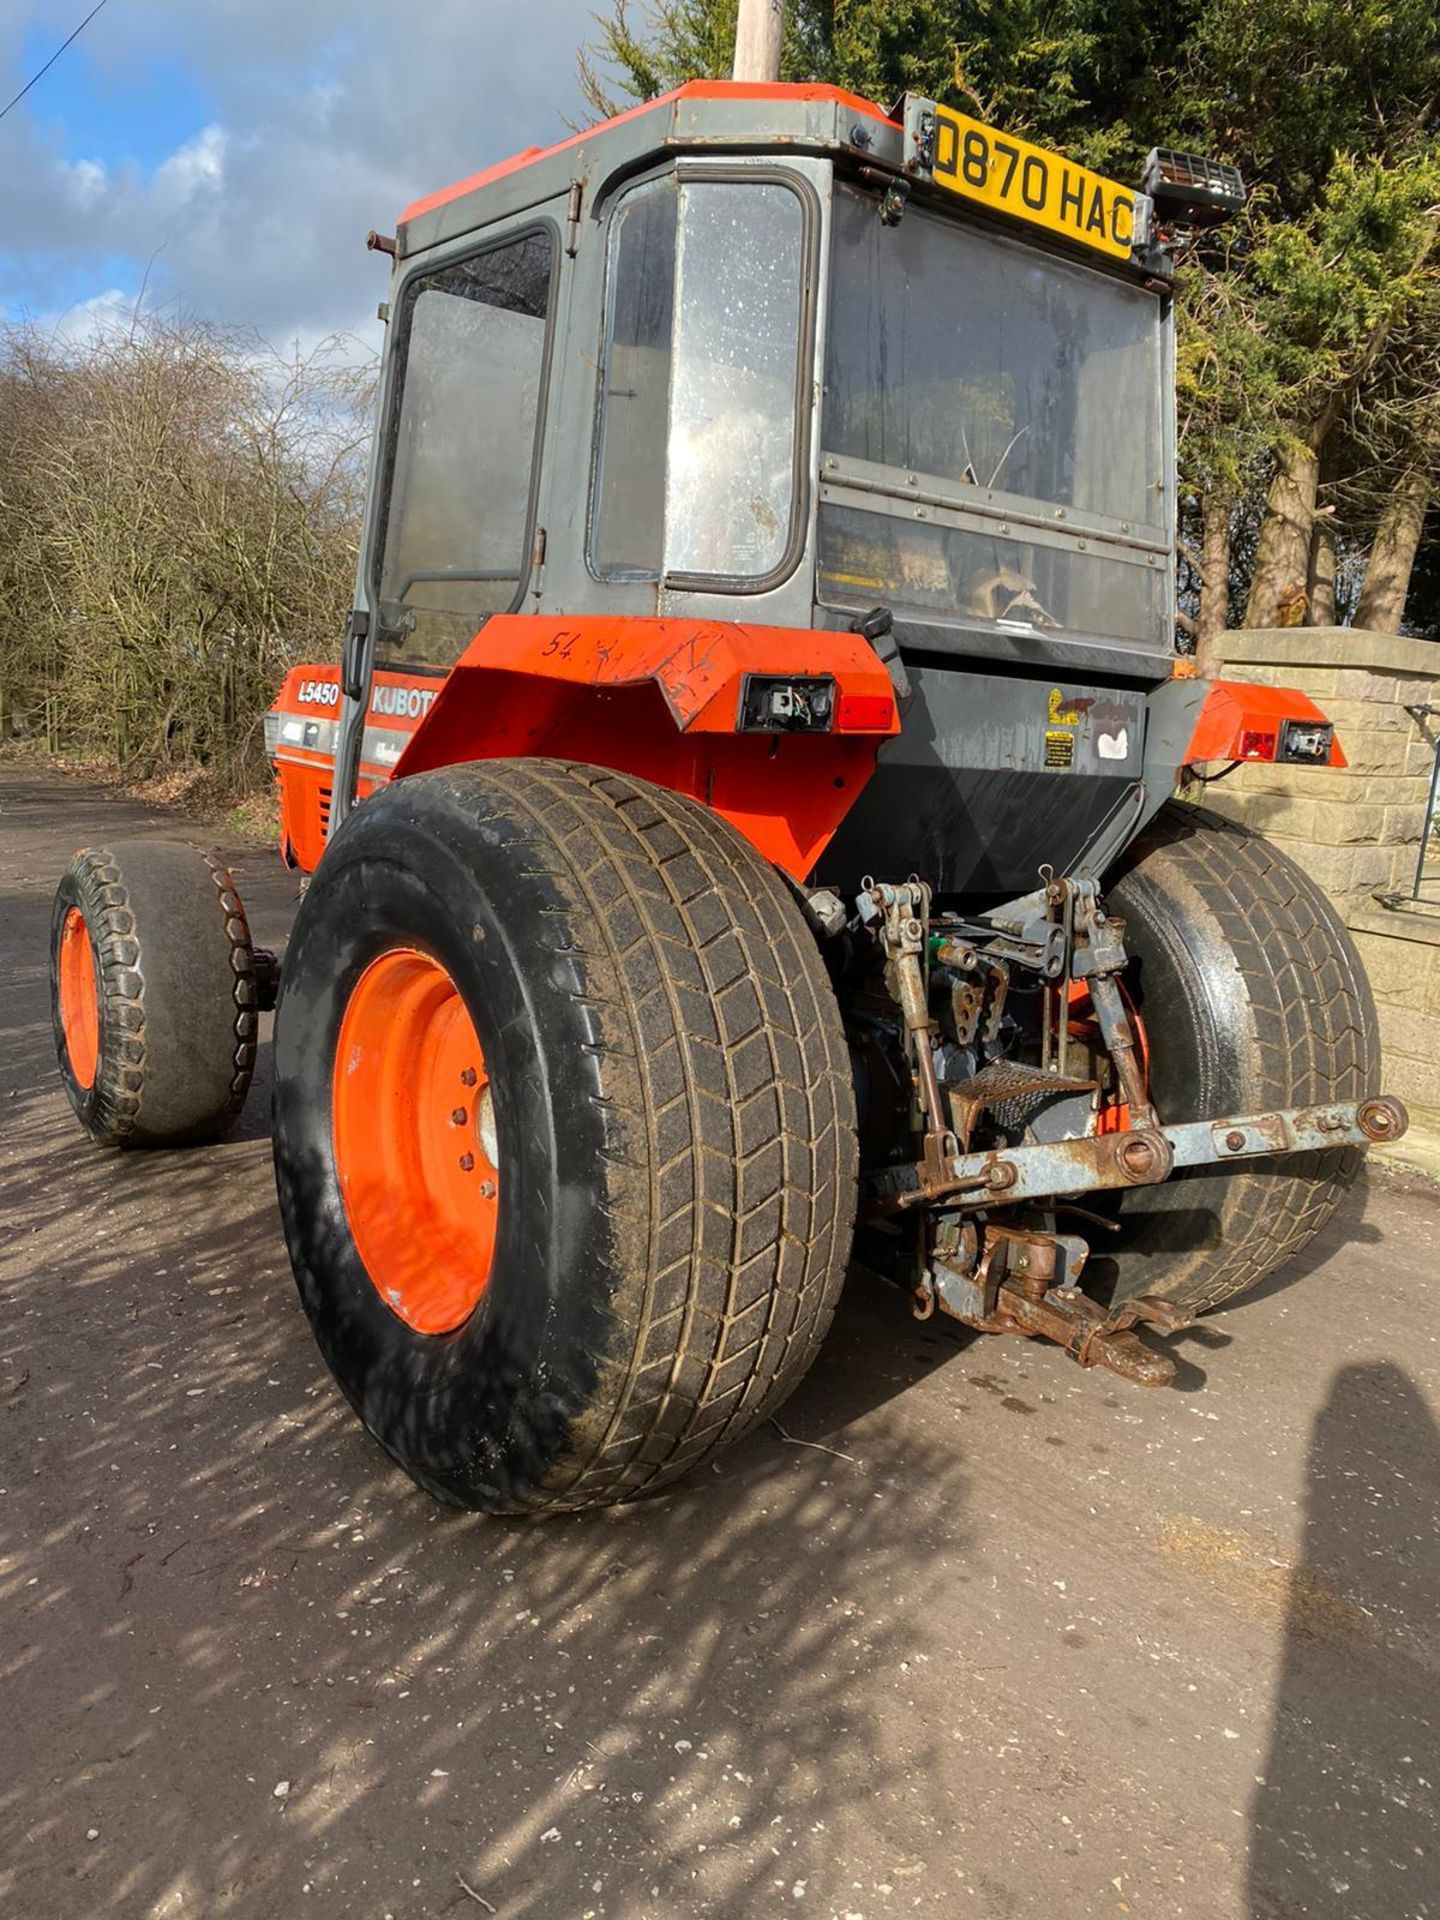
x=1012, y=176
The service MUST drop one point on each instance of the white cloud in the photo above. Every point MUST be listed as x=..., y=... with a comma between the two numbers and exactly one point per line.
x=101, y=313
x=197, y=166
x=83, y=181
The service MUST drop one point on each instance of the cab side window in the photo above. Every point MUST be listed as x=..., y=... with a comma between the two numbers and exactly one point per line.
x=695, y=474
x=460, y=465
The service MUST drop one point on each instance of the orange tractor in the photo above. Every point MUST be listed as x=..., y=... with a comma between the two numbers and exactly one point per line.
x=742, y=823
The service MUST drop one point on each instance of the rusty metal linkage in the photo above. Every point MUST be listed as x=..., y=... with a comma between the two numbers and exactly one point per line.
x=1143, y=1157
x=899, y=916
x=1024, y=1279
x=1119, y=1037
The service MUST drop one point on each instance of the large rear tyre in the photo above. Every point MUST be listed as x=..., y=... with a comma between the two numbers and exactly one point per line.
x=152, y=993
x=564, y=1132
x=1253, y=997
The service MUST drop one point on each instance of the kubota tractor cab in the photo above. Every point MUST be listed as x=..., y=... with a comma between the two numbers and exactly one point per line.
x=741, y=823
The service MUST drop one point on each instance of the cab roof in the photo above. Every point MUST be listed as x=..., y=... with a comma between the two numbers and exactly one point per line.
x=703, y=113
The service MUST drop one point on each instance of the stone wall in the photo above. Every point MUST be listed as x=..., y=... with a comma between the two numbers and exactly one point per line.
x=1356, y=831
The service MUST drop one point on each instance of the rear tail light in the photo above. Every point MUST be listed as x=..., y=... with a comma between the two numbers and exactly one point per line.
x=1255, y=745
x=769, y=704
x=1240, y=721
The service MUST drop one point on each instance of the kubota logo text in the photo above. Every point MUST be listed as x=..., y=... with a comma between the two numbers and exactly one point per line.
x=402, y=702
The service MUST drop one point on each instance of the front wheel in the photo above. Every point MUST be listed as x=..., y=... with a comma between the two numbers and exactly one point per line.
x=153, y=994
x=564, y=1132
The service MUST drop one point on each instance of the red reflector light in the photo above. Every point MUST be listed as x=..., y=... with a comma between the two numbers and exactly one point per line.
x=865, y=713
x=1255, y=745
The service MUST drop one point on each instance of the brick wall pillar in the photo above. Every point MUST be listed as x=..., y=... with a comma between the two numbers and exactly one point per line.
x=1356, y=832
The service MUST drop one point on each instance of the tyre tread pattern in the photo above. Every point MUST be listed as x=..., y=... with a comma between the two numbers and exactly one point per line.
x=730, y=1112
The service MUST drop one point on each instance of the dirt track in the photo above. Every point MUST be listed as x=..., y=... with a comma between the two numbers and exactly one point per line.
x=999, y=1639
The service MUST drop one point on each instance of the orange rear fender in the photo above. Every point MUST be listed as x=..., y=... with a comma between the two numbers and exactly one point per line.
x=661, y=698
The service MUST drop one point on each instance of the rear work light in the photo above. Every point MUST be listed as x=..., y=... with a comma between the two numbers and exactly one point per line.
x=1189, y=191
x=1306, y=743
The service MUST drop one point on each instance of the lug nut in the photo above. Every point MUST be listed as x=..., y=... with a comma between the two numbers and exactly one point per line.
x=468, y=1077
x=459, y=1117
x=467, y=1162
x=487, y=1189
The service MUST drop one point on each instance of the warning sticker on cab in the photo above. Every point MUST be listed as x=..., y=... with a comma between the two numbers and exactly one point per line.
x=1010, y=175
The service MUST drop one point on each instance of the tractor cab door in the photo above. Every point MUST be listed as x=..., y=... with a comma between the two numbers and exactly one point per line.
x=661, y=343
x=450, y=530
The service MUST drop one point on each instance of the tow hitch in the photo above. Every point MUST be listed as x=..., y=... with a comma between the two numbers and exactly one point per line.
x=952, y=1199
x=1024, y=1282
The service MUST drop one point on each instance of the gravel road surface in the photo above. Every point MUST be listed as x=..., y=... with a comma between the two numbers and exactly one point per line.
x=976, y=1634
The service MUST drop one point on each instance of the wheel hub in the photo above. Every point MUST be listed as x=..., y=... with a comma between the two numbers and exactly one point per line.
x=79, y=998
x=416, y=1148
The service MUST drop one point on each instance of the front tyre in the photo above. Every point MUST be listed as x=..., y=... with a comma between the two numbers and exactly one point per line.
x=153, y=994
x=564, y=1132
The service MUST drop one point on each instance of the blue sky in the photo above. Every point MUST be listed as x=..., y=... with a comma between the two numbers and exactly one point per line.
x=228, y=156
x=112, y=113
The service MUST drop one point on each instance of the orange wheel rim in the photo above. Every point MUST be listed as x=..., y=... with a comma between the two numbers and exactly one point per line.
x=79, y=998
x=415, y=1144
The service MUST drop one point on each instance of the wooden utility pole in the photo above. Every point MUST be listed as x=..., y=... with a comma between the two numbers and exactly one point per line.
x=758, y=31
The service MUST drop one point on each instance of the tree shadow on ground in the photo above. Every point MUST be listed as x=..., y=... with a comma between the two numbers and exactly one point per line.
x=273, y=1678
x=267, y=1675
x=625, y=1712
x=1344, y=1817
